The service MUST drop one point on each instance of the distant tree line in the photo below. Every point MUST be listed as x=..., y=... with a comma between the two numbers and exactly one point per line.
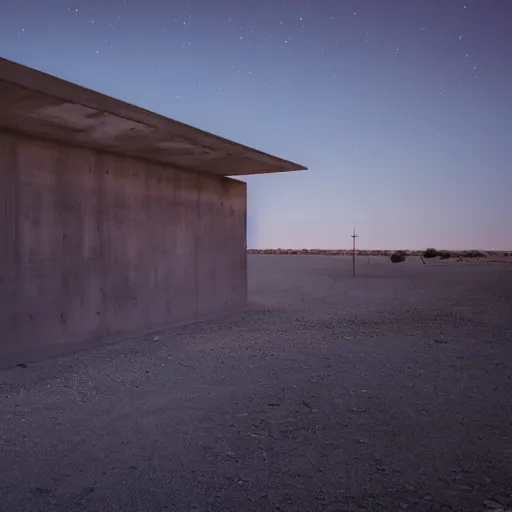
x=430, y=253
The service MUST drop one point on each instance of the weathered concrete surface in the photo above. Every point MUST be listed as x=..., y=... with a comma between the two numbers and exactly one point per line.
x=42, y=105
x=97, y=247
x=387, y=392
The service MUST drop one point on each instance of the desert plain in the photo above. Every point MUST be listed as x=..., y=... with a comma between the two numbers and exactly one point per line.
x=391, y=390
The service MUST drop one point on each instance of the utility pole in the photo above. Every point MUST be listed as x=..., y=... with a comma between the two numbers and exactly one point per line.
x=354, y=236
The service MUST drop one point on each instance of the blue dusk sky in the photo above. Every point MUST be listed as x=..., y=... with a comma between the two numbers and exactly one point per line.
x=401, y=109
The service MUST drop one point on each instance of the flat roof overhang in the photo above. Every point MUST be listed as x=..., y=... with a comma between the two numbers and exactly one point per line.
x=41, y=105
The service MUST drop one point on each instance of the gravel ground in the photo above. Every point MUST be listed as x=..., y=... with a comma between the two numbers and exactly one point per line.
x=390, y=391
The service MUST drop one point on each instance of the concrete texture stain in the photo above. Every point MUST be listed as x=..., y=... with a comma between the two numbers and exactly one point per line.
x=97, y=125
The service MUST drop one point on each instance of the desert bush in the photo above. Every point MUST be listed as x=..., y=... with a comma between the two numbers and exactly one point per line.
x=473, y=254
x=398, y=257
x=430, y=253
x=444, y=255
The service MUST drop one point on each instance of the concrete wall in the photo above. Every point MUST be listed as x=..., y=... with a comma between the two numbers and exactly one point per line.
x=96, y=247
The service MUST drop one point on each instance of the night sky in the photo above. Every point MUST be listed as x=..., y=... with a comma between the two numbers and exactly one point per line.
x=401, y=109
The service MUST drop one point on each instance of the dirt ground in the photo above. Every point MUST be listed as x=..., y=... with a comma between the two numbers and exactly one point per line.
x=389, y=391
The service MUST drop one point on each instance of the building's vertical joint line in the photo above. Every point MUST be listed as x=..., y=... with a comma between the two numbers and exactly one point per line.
x=197, y=244
x=226, y=236
x=61, y=164
x=14, y=175
x=14, y=157
x=99, y=178
x=244, y=260
x=173, y=244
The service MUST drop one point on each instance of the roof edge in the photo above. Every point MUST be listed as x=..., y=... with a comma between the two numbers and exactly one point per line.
x=52, y=86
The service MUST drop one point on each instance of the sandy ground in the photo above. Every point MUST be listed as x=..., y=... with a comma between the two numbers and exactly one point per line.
x=390, y=391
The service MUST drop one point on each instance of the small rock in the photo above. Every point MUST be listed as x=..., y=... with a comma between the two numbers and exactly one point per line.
x=43, y=491
x=427, y=497
x=156, y=338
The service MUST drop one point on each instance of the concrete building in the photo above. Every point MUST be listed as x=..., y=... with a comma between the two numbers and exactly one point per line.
x=114, y=221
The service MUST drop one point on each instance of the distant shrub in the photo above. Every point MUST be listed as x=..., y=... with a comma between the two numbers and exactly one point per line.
x=473, y=254
x=398, y=257
x=444, y=255
x=430, y=253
